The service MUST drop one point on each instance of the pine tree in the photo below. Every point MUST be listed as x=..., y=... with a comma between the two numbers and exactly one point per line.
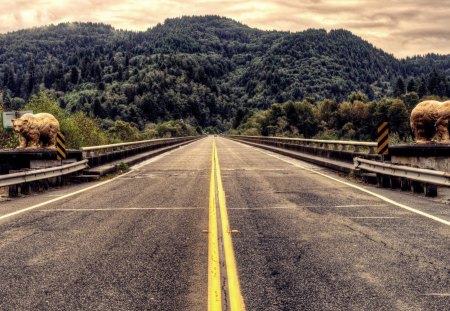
x=422, y=90
x=433, y=83
x=399, y=89
x=74, y=75
x=412, y=86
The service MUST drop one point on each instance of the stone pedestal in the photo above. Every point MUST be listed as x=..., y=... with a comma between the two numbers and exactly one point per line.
x=430, y=156
x=16, y=160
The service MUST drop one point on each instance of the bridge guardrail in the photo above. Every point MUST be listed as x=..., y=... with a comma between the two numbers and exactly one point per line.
x=341, y=145
x=39, y=174
x=98, y=155
x=417, y=174
x=97, y=150
x=339, y=150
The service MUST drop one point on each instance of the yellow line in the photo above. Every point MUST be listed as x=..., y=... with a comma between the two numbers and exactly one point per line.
x=234, y=288
x=214, y=290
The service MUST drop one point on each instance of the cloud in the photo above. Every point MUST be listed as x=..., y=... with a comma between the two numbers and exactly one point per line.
x=401, y=27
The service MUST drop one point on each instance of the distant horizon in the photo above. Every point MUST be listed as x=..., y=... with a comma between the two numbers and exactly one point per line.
x=401, y=28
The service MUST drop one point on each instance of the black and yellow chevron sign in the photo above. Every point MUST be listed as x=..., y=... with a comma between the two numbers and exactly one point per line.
x=383, y=138
x=60, y=146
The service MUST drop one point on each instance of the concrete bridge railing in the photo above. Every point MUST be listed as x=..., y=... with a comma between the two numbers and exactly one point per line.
x=98, y=155
x=42, y=168
x=339, y=150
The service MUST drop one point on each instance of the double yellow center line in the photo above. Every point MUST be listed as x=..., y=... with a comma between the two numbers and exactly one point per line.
x=221, y=258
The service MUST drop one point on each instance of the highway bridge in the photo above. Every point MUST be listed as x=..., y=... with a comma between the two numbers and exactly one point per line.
x=220, y=225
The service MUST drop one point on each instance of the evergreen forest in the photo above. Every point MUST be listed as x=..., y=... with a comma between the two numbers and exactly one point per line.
x=210, y=74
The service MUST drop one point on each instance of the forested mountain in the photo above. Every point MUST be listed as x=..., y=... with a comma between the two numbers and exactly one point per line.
x=201, y=69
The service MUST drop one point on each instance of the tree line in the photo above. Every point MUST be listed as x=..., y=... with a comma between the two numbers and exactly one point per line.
x=353, y=119
x=81, y=130
x=204, y=70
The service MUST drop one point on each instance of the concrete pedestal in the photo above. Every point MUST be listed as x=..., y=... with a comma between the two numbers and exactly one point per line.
x=15, y=160
x=12, y=161
x=430, y=156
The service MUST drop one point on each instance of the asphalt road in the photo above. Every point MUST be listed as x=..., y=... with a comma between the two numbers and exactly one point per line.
x=305, y=241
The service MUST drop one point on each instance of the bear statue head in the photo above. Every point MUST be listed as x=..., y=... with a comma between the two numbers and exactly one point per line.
x=20, y=125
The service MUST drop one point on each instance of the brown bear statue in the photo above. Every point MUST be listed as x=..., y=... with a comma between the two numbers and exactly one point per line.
x=36, y=130
x=429, y=118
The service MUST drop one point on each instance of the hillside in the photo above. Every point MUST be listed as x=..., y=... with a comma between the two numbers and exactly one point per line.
x=201, y=69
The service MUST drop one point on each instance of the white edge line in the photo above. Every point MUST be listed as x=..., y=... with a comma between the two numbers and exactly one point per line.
x=437, y=294
x=91, y=187
x=373, y=217
x=443, y=221
x=119, y=209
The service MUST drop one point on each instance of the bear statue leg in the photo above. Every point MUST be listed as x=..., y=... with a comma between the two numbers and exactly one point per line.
x=422, y=133
x=52, y=142
x=442, y=129
x=33, y=142
x=23, y=143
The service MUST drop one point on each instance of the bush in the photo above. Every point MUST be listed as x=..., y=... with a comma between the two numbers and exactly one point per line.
x=79, y=130
x=122, y=131
x=7, y=137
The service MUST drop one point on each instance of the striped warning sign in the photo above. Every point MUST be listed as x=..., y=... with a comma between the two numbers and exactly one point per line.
x=383, y=138
x=60, y=146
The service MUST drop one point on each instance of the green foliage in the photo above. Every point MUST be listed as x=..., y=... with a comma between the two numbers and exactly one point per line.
x=79, y=130
x=353, y=120
x=357, y=96
x=291, y=119
x=122, y=132
x=208, y=69
x=410, y=99
x=8, y=139
x=123, y=166
x=44, y=102
x=398, y=117
x=82, y=131
x=176, y=128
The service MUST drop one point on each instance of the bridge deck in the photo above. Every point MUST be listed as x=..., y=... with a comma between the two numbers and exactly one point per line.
x=307, y=239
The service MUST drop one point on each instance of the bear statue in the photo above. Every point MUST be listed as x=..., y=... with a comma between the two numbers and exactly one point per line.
x=428, y=118
x=36, y=131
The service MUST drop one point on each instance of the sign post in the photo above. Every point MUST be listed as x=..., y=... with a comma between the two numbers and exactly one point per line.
x=383, y=138
x=61, y=153
x=8, y=116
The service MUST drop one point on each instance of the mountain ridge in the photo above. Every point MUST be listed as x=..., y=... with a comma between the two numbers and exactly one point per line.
x=200, y=67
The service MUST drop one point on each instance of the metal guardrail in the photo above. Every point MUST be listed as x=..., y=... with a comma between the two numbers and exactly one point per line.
x=109, y=152
x=104, y=149
x=33, y=175
x=354, y=146
x=422, y=175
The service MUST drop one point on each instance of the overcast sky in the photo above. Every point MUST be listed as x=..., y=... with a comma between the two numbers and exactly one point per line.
x=401, y=27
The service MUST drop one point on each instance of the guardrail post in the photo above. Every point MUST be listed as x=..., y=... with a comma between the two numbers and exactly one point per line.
x=25, y=188
x=383, y=181
x=417, y=187
x=405, y=184
x=395, y=182
x=13, y=191
x=430, y=190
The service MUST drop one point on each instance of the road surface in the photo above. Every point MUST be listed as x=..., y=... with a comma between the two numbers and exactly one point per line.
x=305, y=239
